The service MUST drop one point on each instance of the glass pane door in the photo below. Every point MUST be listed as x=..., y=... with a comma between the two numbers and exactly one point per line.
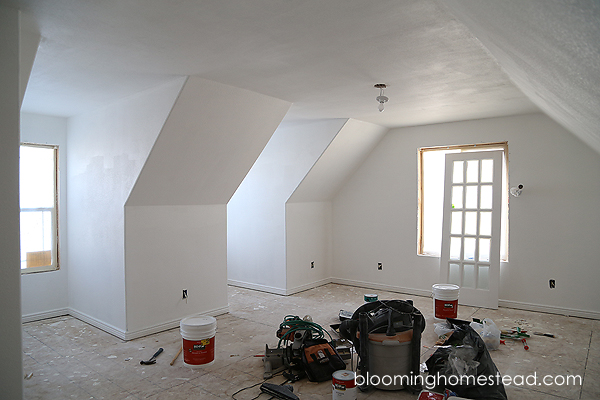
x=471, y=229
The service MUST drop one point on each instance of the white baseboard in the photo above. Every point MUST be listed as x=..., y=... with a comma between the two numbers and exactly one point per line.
x=570, y=312
x=276, y=290
x=171, y=324
x=113, y=330
x=380, y=286
x=308, y=286
x=255, y=286
x=339, y=281
x=59, y=312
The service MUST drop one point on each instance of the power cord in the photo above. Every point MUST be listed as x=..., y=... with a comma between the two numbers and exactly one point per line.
x=255, y=385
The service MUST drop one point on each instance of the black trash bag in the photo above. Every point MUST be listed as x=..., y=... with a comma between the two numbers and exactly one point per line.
x=466, y=358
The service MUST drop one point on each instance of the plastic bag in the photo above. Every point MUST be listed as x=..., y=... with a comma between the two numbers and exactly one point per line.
x=491, y=334
x=442, y=328
x=461, y=361
x=477, y=327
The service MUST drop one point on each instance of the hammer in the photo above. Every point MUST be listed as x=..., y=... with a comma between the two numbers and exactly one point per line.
x=153, y=359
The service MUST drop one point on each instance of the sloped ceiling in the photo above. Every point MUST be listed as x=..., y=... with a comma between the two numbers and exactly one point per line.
x=322, y=56
x=550, y=49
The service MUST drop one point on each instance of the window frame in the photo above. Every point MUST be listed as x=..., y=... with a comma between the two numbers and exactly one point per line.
x=420, y=188
x=55, y=247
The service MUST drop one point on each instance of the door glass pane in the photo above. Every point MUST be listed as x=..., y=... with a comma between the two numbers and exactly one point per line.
x=456, y=223
x=455, y=246
x=457, y=174
x=486, y=197
x=469, y=249
x=483, y=280
x=472, y=171
x=471, y=223
x=485, y=223
x=468, y=276
x=487, y=170
x=457, y=196
x=471, y=197
x=454, y=274
x=484, y=249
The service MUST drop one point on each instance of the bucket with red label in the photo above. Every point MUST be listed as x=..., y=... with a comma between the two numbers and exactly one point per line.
x=344, y=385
x=198, y=335
x=445, y=300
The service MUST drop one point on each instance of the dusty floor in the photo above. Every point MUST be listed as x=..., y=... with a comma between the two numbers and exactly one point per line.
x=69, y=359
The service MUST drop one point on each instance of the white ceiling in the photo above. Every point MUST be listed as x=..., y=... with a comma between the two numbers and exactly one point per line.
x=324, y=56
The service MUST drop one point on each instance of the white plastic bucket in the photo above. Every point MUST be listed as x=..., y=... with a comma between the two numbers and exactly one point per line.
x=344, y=385
x=198, y=340
x=445, y=300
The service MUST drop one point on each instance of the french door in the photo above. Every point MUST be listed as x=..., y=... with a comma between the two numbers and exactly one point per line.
x=470, y=256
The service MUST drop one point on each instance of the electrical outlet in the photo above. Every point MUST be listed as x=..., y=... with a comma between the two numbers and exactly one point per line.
x=552, y=283
x=379, y=266
x=312, y=264
x=185, y=295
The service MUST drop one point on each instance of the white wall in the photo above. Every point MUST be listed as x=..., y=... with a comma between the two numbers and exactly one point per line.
x=168, y=249
x=176, y=220
x=106, y=151
x=554, y=224
x=11, y=368
x=308, y=220
x=307, y=239
x=45, y=294
x=256, y=255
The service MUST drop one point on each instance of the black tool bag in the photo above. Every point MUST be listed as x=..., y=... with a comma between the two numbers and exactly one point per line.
x=320, y=360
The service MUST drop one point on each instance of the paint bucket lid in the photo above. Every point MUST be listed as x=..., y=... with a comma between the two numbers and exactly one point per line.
x=198, y=327
x=343, y=374
x=445, y=291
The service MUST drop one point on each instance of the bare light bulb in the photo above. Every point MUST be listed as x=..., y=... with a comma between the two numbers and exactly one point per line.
x=381, y=99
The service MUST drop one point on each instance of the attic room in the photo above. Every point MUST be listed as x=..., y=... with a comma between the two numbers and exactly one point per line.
x=235, y=151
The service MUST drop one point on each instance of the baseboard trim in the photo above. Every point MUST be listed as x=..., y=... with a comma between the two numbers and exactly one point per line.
x=113, y=330
x=308, y=286
x=171, y=324
x=380, y=286
x=255, y=286
x=59, y=312
x=569, y=312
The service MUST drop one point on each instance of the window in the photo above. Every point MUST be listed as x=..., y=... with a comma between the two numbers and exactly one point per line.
x=431, y=195
x=38, y=196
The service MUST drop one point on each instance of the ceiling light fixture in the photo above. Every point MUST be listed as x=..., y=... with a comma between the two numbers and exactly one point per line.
x=381, y=99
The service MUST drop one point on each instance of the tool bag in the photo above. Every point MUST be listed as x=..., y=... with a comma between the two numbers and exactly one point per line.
x=320, y=360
